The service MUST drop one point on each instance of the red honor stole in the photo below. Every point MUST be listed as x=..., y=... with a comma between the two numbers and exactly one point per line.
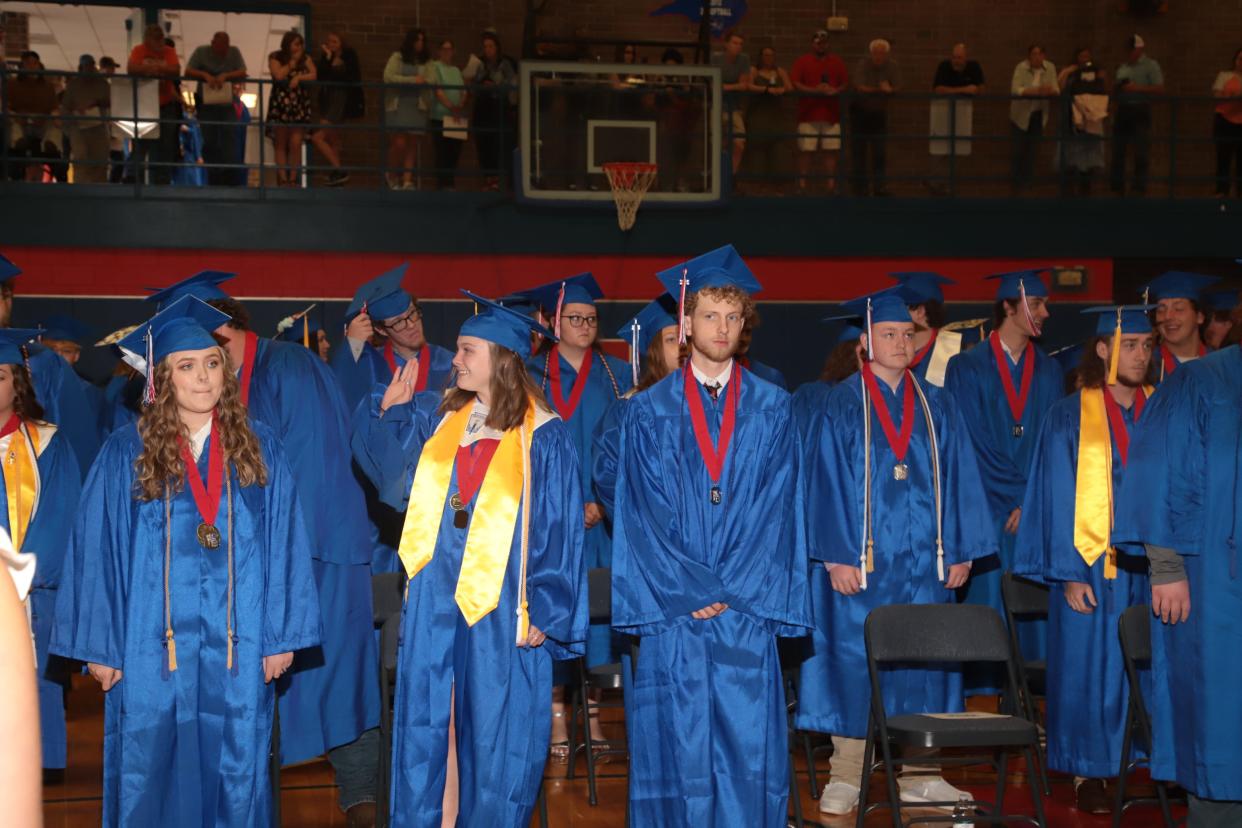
x=713, y=455
x=424, y=363
x=1017, y=398
x=567, y=409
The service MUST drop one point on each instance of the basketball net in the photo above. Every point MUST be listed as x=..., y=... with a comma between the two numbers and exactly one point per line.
x=629, y=182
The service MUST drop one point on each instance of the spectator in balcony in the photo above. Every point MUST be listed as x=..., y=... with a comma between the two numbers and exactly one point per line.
x=31, y=99
x=495, y=113
x=1084, y=88
x=340, y=100
x=1034, y=82
x=406, y=104
x=962, y=78
x=766, y=116
x=216, y=66
x=290, y=110
x=875, y=79
x=1138, y=79
x=152, y=59
x=819, y=76
x=87, y=97
x=448, y=115
x=734, y=79
x=241, y=129
x=116, y=135
x=1227, y=127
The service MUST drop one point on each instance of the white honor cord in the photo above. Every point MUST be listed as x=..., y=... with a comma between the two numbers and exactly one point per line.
x=867, y=540
x=935, y=458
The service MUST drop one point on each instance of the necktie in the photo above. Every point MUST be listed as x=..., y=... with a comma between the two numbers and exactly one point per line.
x=713, y=389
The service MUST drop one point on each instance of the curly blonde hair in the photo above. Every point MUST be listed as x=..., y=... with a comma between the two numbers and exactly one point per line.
x=159, y=466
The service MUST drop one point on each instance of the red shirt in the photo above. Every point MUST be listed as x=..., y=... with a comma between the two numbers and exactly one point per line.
x=811, y=70
x=141, y=54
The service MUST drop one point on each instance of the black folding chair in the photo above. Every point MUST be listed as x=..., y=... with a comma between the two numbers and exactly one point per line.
x=1134, y=630
x=387, y=596
x=1027, y=601
x=790, y=677
x=601, y=677
x=909, y=634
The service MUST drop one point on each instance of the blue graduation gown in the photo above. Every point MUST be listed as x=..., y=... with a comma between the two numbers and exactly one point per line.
x=1086, y=687
x=1004, y=463
x=65, y=402
x=332, y=693
x=190, y=747
x=122, y=403
x=707, y=728
x=609, y=379
x=357, y=377
x=1181, y=492
x=501, y=692
x=835, y=697
x=47, y=535
x=766, y=372
x=808, y=404
x=606, y=448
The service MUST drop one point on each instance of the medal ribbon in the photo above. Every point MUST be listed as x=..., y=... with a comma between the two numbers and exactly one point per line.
x=472, y=463
x=1169, y=363
x=21, y=479
x=247, y=368
x=1117, y=424
x=491, y=533
x=567, y=409
x=899, y=443
x=206, y=498
x=713, y=456
x=424, y=362
x=1017, y=399
x=926, y=349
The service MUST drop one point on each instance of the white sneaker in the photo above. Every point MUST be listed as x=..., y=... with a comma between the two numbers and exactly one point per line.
x=931, y=789
x=838, y=798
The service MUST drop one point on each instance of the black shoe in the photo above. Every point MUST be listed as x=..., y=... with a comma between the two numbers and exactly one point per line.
x=337, y=178
x=1093, y=797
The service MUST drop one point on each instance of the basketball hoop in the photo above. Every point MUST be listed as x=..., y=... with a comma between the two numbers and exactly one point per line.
x=629, y=181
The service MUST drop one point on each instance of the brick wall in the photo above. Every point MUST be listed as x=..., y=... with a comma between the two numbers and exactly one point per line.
x=1193, y=40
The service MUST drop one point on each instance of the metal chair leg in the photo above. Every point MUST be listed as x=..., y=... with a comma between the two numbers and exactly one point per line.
x=1119, y=798
x=584, y=704
x=864, y=785
x=1037, y=796
x=1002, y=771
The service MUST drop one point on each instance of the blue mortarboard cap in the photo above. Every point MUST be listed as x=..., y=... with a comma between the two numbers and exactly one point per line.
x=1221, y=300
x=1135, y=319
x=847, y=333
x=717, y=268
x=1178, y=284
x=849, y=330
x=506, y=327
x=11, y=342
x=581, y=289
x=1012, y=283
x=383, y=296
x=7, y=269
x=68, y=329
x=888, y=305
x=652, y=319
x=1069, y=356
x=203, y=285
x=292, y=327
x=520, y=303
x=922, y=286
x=184, y=325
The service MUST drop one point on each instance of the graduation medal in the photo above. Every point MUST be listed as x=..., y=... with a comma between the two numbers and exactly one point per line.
x=208, y=536
x=713, y=456
x=206, y=498
x=1017, y=399
x=471, y=469
x=899, y=442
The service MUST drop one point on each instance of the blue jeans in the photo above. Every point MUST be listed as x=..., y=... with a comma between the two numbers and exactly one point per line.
x=357, y=769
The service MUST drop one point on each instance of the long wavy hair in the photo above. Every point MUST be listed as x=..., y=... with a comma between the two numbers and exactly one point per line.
x=159, y=466
x=509, y=389
x=725, y=293
x=25, y=404
x=1092, y=371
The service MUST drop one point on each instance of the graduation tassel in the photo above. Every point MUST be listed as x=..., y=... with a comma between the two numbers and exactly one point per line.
x=228, y=609
x=635, y=328
x=172, y=650
x=148, y=390
x=681, y=307
x=1114, y=355
x=1026, y=308
x=870, y=348
x=939, y=561
x=170, y=643
x=560, y=303
x=305, y=332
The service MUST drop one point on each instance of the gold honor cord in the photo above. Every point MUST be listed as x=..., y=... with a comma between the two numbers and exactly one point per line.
x=490, y=533
x=1093, y=485
x=867, y=557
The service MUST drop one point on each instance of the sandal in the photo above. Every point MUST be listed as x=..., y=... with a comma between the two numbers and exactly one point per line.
x=558, y=752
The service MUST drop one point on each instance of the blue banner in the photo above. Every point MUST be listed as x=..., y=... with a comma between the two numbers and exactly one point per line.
x=725, y=14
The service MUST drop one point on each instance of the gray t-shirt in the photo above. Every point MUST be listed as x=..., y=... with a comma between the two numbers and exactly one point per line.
x=205, y=59
x=731, y=73
x=867, y=73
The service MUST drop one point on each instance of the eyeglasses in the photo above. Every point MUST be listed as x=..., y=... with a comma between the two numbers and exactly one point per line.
x=576, y=321
x=414, y=314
